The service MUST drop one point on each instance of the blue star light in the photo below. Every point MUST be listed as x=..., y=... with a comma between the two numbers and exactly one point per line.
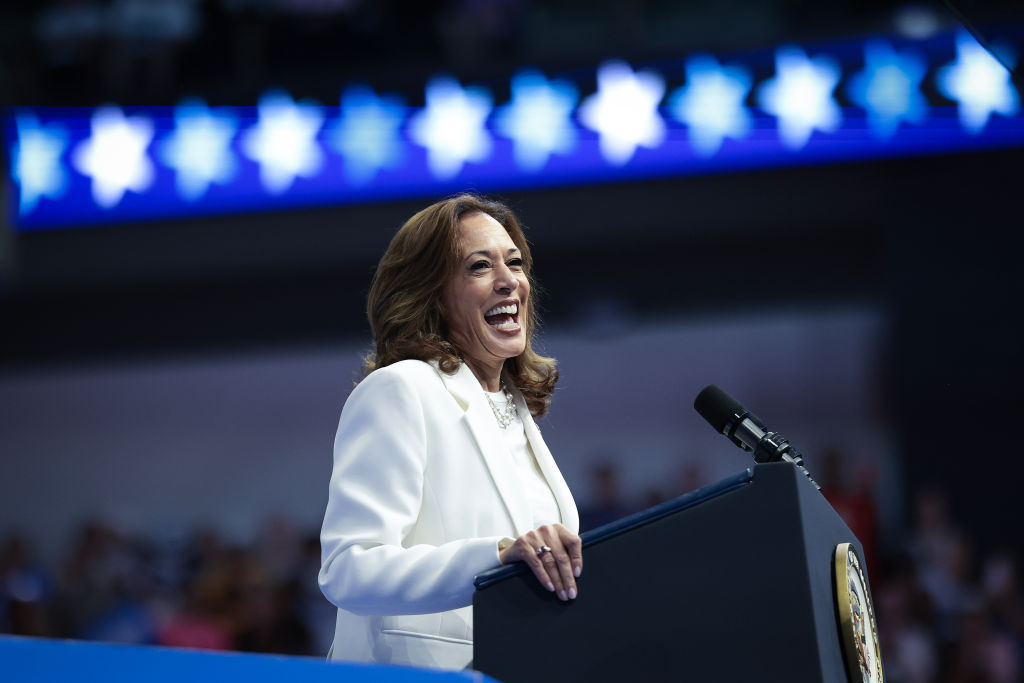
x=35, y=161
x=711, y=104
x=114, y=156
x=538, y=119
x=979, y=83
x=889, y=88
x=800, y=95
x=283, y=141
x=451, y=127
x=199, y=150
x=624, y=111
x=366, y=133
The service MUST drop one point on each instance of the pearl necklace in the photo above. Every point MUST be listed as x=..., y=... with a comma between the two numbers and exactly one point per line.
x=508, y=413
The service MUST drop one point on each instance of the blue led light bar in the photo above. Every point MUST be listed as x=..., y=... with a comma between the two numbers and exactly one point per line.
x=855, y=101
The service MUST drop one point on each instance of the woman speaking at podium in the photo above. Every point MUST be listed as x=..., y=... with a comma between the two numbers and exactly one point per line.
x=439, y=470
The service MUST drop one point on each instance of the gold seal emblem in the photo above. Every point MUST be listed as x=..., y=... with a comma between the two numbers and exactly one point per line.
x=857, y=627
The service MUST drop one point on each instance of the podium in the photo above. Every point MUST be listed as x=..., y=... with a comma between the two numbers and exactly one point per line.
x=735, y=581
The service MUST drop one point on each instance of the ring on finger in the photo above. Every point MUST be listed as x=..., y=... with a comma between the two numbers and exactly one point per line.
x=543, y=550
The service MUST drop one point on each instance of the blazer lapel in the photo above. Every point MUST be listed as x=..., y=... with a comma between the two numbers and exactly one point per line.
x=566, y=504
x=466, y=389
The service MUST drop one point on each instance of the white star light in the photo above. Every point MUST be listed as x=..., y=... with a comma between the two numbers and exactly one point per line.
x=889, y=88
x=624, y=111
x=200, y=148
x=366, y=134
x=711, y=103
x=979, y=83
x=538, y=119
x=800, y=95
x=451, y=126
x=35, y=161
x=283, y=141
x=115, y=155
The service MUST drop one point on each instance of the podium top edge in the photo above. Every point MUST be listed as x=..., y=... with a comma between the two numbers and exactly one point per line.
x=621, y=526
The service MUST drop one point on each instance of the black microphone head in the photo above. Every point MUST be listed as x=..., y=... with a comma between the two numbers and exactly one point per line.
x=718, y=408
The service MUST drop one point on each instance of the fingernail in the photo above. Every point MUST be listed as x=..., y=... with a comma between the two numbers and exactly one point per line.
x=572, y=593
x=576, y=571
x=561, y=595
x=550, y=586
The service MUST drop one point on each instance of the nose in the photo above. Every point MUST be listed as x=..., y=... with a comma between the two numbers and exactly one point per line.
x=505, y=281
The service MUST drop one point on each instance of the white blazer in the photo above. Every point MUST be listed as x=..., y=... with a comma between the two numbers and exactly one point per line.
x=422, y=490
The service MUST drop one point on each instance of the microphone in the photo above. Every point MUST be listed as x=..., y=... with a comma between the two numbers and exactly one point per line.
x=745, y=429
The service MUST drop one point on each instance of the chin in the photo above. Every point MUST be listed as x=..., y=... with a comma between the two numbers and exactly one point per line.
x=510, y=348
x=506, y=351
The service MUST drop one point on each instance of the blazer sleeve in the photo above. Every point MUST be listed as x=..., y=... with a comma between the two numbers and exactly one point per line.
x=375, y=495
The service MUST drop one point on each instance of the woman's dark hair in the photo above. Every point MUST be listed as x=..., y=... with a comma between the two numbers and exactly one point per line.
x=404, y=306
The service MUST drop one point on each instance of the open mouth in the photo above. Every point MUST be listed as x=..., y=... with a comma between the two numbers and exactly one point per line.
x=503, y=317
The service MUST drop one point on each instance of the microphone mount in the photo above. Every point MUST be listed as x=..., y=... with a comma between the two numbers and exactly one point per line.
x=746, y=430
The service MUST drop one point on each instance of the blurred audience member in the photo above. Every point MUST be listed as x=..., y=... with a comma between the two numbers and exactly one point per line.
x=102, y=585
x=850, y=494
x=268, y=619
x=316, y=613
x=983, y=655
x=25, y=591
x=605, y=503
x=280, y=549
x=654, y=496
x=909, y=650
x=1001, y=589
x=201, y=618
x=690, y=478
x=944, y=561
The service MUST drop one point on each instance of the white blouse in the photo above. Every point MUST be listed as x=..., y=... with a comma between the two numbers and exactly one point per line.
x=542, y=500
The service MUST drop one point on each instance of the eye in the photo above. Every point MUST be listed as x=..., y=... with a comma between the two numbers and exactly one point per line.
x=515, y=263
x=480, y=265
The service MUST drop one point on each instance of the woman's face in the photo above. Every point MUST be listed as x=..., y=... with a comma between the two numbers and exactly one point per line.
x=485, y=300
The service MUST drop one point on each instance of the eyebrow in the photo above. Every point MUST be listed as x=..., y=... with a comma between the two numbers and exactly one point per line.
x=489, y=253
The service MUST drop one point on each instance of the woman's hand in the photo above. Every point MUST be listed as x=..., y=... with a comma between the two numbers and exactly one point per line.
x=555, y=555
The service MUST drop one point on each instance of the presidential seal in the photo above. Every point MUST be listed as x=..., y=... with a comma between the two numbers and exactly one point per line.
x=857, y=628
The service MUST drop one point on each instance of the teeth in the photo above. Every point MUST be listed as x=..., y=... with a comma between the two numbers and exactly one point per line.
x=507, y=326
x=511, y=309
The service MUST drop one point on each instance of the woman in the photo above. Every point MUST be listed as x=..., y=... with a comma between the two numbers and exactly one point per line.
x=439, y=469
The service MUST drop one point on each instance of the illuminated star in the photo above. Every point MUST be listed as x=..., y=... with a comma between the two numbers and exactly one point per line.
x=451, y=126
x=115, y=155
x=624, y=111
x=283, y=141
x=35, y=161
x=538, y=119
x=979, y=83
x=889, y=88
x=366, y=134
x=711, y=103
x=200, y=148
x=800, y=95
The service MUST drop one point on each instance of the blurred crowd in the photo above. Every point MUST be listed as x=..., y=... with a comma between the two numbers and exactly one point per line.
x=198, y=591
x=947, y=613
